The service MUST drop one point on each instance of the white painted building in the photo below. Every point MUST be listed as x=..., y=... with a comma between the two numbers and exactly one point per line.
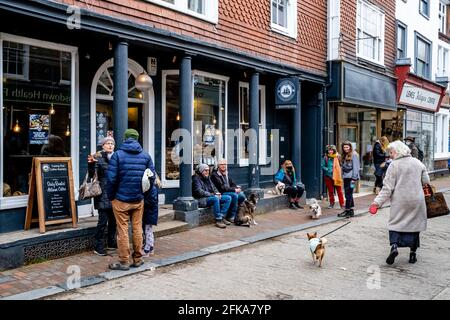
x=423, y=37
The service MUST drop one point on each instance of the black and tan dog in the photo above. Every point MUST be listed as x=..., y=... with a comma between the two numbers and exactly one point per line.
x=246, y=211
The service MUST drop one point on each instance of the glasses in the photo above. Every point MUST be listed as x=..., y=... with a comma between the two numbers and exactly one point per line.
x=110, y=143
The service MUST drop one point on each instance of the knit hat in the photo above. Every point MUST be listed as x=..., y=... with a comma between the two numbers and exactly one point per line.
x=107, y=139
x=202, y=167
x=412, y=139
x=131, y=133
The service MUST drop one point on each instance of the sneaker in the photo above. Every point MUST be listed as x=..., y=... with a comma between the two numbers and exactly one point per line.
x=343, y=214
x=119, y=266
x=100, y=253
x=221, y=225
x=231, y=221
x=146, y=253
x=331, y=206
x=298, y=205
x=351, y=213
x=226, y=221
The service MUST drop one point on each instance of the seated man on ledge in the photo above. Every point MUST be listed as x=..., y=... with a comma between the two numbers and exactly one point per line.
x=226, y=186
x=207, y=194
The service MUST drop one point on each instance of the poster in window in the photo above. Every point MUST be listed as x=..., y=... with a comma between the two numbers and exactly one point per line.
x=39, y=128
x=210, y=131
x=101, y=125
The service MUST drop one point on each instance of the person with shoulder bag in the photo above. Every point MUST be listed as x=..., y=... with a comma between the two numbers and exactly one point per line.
x=332, y=175
x=350, y=165
x=98, y=165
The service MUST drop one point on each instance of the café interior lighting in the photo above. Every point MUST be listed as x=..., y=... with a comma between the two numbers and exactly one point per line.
x=143, y=82
x=51, y=110
x=178, y=116
x=67, y=131
x=16, y=127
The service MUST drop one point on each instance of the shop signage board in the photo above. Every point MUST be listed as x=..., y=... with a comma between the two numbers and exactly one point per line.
x=52, y=191
x=286, y=93
x=418, y=97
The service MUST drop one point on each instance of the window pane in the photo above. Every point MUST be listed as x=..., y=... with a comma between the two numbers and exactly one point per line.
x=421, y=50
x=209, y=120
x=196, y=6
x=172, y=170
x=36, y=112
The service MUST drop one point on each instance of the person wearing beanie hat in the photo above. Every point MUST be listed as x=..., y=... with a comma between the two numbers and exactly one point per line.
x=208, y=196
x=125, y=173
x=131, y=133
x=98, y=164
x=332, y=175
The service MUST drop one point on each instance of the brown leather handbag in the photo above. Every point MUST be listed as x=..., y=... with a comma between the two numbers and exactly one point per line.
x=435, y=201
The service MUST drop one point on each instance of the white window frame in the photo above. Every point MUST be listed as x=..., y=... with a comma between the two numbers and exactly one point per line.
x=211, y=9
x=22, y=201
x=442, y=17
x=334, y=29
x=442, y=63
x=164, y=74
x=423, y=13
x=291, y=29
x=262, y=132
x=379, y=43
x=442, y=151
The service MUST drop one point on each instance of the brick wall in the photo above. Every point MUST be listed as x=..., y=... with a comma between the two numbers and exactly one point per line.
x=348, y=28
x=242, y=26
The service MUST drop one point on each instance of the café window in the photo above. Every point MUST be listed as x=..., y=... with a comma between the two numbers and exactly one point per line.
x=244, y=124
x=37, y=107
x=420, y=125
x=209, y=121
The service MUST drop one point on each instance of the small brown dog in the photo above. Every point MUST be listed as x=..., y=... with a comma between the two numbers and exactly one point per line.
x=317, y=247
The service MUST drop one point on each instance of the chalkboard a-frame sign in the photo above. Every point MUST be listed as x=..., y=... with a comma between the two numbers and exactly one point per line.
x=51, y=184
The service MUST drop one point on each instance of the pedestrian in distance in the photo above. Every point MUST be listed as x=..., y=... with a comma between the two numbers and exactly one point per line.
x=350, y=165
x=403, y=187
x=333, y=175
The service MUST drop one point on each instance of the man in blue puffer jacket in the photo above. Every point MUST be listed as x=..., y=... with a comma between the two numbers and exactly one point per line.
x=124, y=189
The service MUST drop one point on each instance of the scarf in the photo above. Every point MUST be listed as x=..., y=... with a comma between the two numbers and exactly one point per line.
x=337, y=174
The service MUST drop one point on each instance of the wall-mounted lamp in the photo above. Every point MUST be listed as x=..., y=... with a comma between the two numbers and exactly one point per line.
x=110, y=46
x=143, y=82
x=16, y=127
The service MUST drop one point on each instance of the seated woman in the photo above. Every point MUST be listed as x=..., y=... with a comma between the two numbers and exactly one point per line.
x=207, y=194
x=287, y=177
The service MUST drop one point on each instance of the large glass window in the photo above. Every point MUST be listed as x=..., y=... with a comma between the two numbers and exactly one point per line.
x=424, y=8
x=370, y=32
x=442, y=17
x=244, y=124
x=209, y=121
x=37, y=100
x=420, y=125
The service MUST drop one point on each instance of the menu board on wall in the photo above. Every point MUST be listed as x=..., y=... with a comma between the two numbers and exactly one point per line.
x=52, y=181
x=39, y=128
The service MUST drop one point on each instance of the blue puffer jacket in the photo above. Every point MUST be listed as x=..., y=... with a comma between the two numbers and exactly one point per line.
x=125, y=171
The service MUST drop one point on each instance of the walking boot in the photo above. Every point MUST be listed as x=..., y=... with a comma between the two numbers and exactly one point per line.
x=343, y=214
x=351, y=213
x=412, y=257
x=394, y=252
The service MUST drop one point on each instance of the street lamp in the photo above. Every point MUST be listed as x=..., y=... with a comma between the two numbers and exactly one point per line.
x=143, y=82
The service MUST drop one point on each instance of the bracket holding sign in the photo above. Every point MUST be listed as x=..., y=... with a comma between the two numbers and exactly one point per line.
x=52, y=190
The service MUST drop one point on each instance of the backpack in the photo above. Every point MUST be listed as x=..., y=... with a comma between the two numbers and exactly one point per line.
x=420, y=155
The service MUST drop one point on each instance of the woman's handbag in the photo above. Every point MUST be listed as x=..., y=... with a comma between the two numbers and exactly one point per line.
x=435, y=201
x=90, y=189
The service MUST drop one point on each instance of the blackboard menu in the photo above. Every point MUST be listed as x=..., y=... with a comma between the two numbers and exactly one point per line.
x=56, y=190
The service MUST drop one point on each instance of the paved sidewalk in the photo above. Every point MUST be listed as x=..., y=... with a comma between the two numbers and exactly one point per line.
x=50, y=277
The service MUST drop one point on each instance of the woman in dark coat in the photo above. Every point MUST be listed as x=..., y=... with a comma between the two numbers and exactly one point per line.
x=98, y=163
x=379, y=157
x=288, y=177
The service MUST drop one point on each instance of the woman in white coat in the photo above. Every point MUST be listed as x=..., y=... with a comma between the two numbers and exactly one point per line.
x=402, y=185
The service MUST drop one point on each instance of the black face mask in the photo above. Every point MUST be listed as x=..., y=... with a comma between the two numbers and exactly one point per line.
x=290, y=169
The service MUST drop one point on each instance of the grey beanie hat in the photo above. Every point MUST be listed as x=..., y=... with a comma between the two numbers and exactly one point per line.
x=202, y=167
x=107, y=139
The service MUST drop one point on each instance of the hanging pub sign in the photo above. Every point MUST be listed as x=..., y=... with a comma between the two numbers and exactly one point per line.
x=286, y=93
x=51, y=190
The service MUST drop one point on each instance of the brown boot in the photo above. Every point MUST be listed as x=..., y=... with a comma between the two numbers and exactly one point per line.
x=221, y=225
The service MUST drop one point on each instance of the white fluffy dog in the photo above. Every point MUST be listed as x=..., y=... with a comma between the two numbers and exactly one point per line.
x=316, y=210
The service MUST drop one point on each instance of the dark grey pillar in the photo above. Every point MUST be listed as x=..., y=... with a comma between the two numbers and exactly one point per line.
x=253, y=166
x=185, y=202
x=120, y=104
x=297, y=134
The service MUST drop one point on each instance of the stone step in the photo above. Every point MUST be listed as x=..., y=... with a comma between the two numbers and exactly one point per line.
x=165, y=214
x=169, y=227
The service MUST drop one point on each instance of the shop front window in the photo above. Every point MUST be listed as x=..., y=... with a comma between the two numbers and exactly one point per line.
x=420, y=125
x=37, y=99
x=209, y=121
